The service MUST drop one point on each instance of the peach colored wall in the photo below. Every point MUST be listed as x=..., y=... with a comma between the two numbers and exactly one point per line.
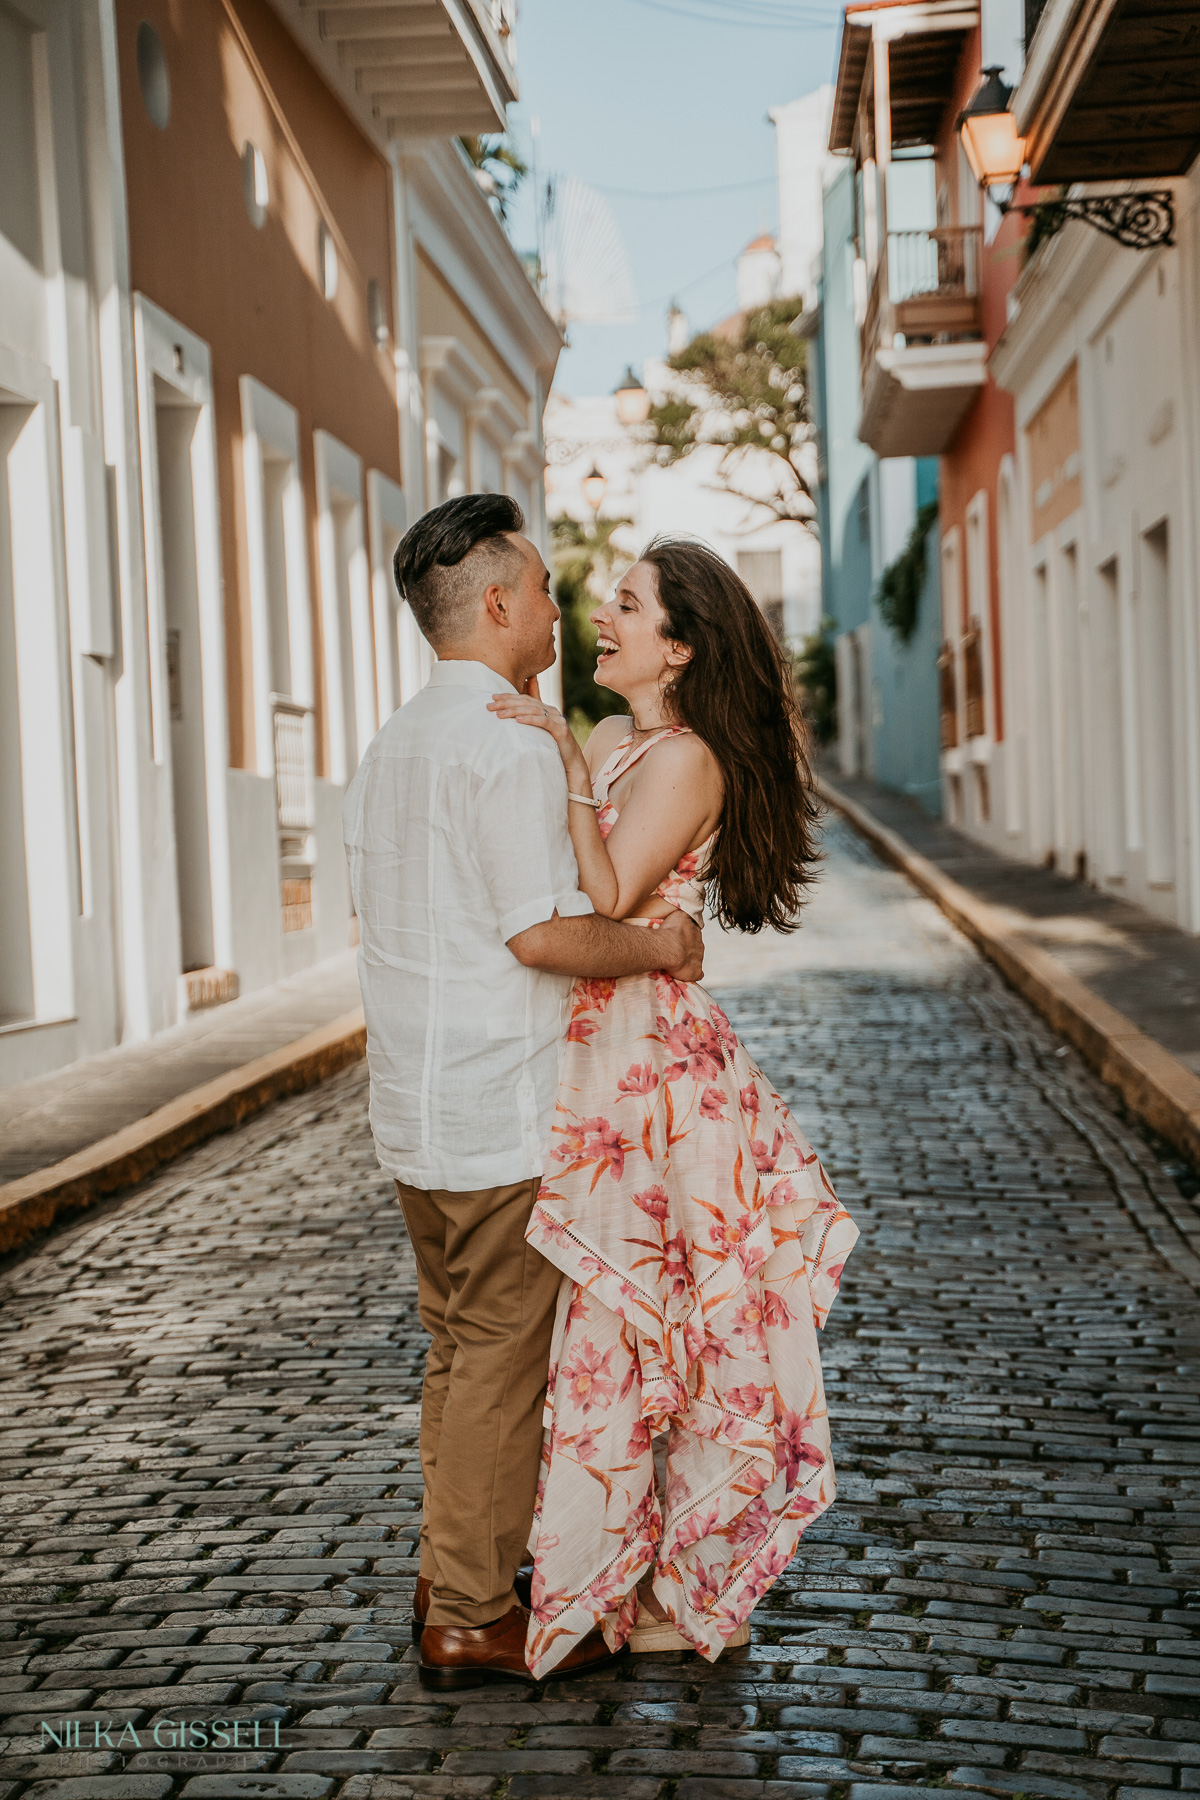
x=988, y=433
x=1054, y=470
x=252, y=294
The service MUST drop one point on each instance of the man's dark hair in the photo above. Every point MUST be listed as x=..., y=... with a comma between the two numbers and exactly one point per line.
x=454, y=551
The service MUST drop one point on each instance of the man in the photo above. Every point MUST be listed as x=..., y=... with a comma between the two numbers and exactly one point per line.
x=472, y=926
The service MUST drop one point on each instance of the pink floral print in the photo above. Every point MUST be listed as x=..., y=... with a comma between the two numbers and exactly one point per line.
x=701, y=1246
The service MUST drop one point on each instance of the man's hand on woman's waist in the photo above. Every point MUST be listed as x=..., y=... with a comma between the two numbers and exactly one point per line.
x=592, y=945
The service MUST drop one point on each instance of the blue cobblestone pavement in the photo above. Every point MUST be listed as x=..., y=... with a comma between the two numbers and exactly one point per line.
x=209, y=1483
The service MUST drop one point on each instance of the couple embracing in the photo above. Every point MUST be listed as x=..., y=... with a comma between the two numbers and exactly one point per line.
x=624, y=1243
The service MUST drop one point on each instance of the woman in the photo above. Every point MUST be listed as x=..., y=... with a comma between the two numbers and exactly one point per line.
x=700, y=1240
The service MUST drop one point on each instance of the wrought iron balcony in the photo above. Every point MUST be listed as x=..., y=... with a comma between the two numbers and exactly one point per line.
x=922, y=354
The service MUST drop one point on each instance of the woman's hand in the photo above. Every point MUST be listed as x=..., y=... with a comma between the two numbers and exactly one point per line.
x=529, y=709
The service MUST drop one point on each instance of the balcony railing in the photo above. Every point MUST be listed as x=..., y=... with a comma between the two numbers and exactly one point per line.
x=921, y=341
x=933, y=281
x=925, y=291
x=973, y=694
x=947, y=698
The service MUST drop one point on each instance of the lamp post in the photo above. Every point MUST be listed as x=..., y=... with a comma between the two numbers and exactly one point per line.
x=633, y=402
x=593, y=485
x=988, y=132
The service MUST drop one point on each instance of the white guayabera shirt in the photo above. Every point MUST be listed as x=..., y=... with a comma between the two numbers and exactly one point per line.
x=456, y=830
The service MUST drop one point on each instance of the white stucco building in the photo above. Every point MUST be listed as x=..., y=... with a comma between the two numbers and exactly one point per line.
x=1099, y=559
x=255, y=315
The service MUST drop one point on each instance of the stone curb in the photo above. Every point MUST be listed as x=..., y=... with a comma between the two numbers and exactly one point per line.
x=1154, y=1084
x=31, y=1204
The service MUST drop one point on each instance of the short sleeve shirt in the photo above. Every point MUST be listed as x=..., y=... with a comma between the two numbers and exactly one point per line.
x=456, y=830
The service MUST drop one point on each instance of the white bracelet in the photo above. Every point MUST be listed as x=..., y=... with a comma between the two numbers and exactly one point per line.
x=583, y=799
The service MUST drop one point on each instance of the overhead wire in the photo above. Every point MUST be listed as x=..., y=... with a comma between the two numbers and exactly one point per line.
x=729, y=187
x=754, y=15
x=725, y=263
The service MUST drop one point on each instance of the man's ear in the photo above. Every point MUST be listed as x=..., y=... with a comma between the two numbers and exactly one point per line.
x=496, y=600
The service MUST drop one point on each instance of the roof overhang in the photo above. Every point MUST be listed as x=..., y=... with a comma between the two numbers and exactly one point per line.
x=925, y=40
x=410, y=68
x=1111, y=90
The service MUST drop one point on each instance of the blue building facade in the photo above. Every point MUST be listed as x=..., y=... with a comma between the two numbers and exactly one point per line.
x=887, y=686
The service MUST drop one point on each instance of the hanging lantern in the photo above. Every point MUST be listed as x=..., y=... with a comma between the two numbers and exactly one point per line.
x=989, y=133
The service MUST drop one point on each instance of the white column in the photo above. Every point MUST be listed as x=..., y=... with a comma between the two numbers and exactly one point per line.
x=407, y=340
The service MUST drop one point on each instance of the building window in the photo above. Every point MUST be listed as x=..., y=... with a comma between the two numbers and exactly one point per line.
x=947, y=698
x=762, y=572
x=277, y=533
x=153, y=78
x=377, y=319
x=327, y=261
x=254, y=185
x=350, y=685
x=973, y=685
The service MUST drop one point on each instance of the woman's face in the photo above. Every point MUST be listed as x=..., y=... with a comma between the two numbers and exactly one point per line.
x=634, y=655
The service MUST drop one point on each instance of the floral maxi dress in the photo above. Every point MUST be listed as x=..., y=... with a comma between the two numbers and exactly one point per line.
x=702, y=1246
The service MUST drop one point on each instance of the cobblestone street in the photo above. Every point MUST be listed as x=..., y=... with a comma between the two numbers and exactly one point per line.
x=210, y=1485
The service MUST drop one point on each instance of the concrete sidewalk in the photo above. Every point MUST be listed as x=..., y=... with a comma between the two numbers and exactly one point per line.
x=69, y=1137
x=1122, y=985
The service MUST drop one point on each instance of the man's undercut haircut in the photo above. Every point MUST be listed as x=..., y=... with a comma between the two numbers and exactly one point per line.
x=452, y=553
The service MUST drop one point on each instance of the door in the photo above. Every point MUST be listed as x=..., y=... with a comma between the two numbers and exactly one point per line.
x=176, y=423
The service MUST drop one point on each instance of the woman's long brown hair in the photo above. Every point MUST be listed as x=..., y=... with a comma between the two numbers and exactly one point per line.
x=736, y=693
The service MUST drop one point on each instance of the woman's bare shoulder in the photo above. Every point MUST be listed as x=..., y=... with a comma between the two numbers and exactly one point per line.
x=684, y=753
x=685, y=757
x=606, y=735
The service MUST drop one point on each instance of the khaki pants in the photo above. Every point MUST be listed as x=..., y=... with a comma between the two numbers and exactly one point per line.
x=487, y=1300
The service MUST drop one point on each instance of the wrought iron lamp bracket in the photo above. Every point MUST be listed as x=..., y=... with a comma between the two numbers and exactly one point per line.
x=1139, y=221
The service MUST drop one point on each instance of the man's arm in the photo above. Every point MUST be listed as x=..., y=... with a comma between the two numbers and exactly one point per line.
x=592, y=945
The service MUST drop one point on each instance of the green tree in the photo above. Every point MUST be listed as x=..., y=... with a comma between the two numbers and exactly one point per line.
x=585, y=559
x=500, y=165
x=745, y=391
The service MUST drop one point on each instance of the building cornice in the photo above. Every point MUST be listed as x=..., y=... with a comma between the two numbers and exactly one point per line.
x=1069, y=276
x=461, y=378
x=459, y=233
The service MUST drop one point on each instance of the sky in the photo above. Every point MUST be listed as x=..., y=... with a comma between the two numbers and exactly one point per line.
x=645, y=98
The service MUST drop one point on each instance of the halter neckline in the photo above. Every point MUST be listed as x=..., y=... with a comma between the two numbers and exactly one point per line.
x=684, y=886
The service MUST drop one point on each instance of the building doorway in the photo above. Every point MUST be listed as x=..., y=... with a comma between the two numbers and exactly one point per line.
x=176, y=423
x=39, y=844
x=186, y=639
x=16, y=946
x=1154, y=640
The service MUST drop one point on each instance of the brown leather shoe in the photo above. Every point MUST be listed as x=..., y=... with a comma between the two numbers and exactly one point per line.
x=458, y=1656
x=522, y=1583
